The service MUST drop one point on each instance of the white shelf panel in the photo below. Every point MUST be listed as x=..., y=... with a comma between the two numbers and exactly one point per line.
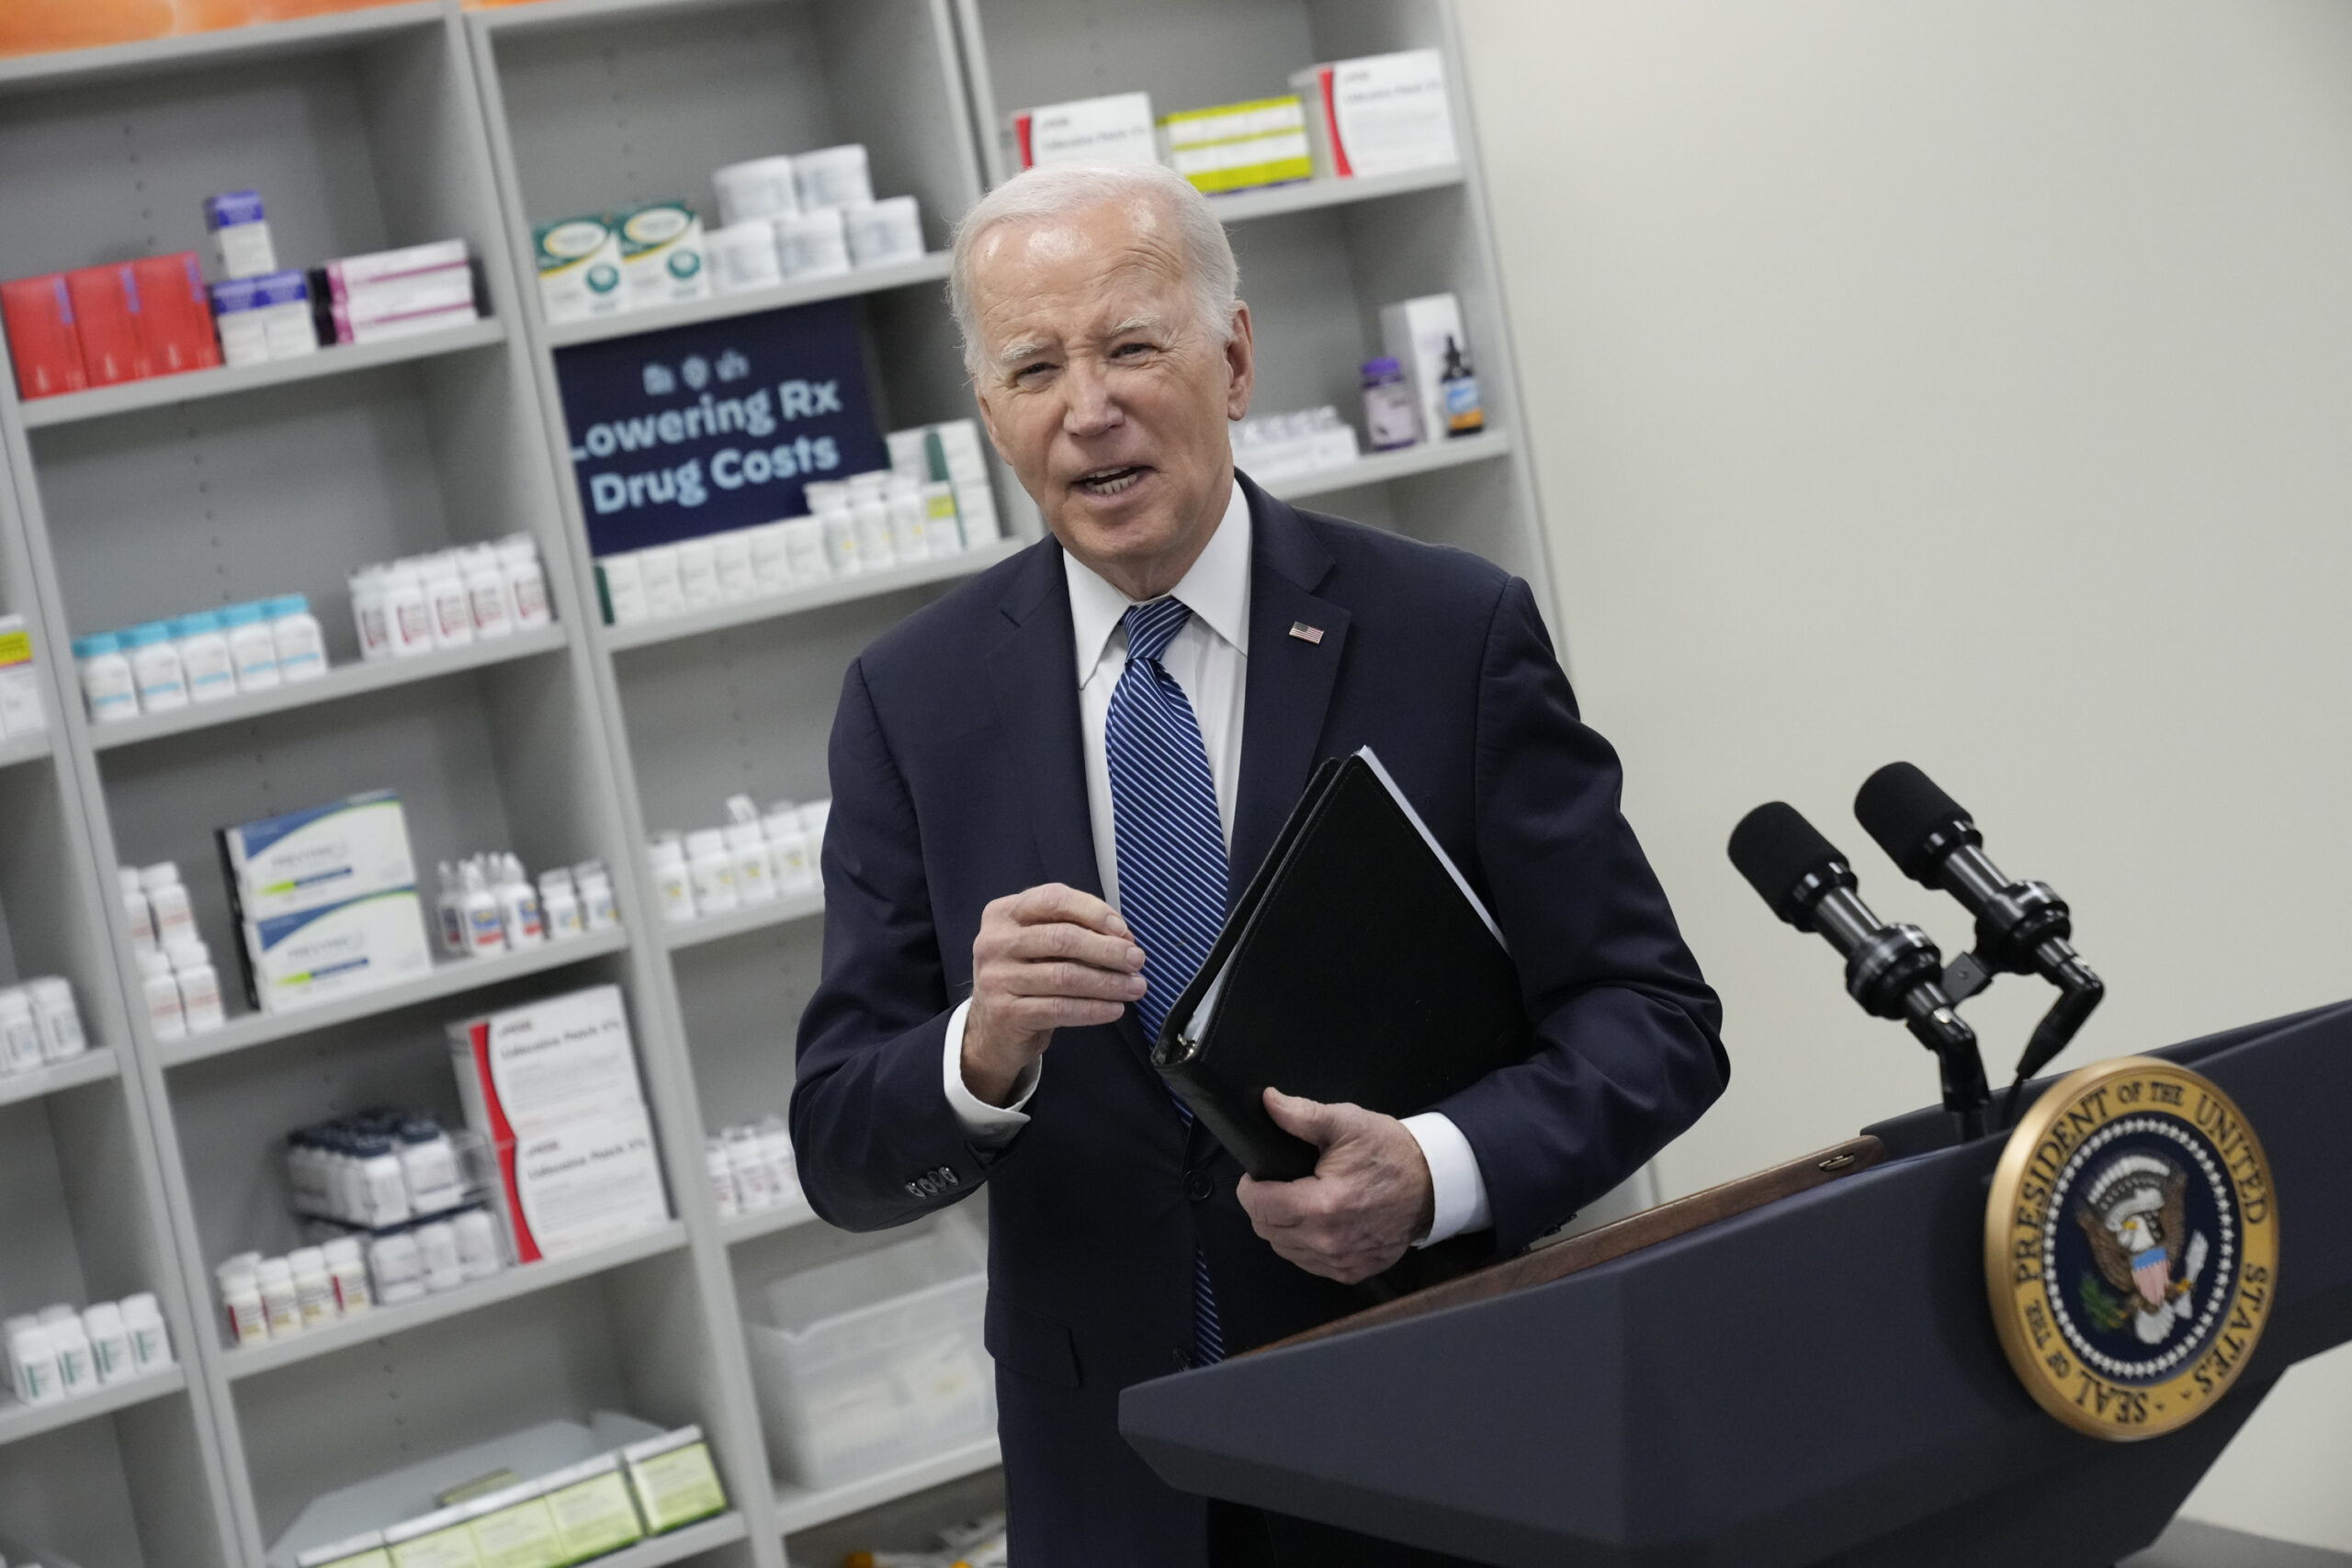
x=1306, y=195
x=449, y=977
x=18, y=1421
x=224, y=46
x=343, y=682
x=506, y=1286
x=161, y=391
x=797, y=1508
x=1381, y=466
x=931, y=268
x=750, y=1227
x=758, y=918
x=726, y=1529
x=774, y=606
x=92, y=1066
x=30, y=748
x=549, y=15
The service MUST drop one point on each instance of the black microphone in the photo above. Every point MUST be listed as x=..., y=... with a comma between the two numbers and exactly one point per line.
x=1893, y=971
x=2023, y=927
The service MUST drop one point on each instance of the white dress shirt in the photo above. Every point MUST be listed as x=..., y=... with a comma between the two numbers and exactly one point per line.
x=1209, y=656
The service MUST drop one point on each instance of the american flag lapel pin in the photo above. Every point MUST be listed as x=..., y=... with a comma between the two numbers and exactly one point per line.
x=1305, y=633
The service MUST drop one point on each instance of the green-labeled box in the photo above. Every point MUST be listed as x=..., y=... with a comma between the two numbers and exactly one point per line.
x=674, y=1479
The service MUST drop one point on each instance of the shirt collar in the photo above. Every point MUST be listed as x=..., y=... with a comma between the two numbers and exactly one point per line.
x=1216, y=590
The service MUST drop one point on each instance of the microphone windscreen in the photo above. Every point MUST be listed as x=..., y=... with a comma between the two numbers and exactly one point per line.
x=1774, y=846
x=1903, y=809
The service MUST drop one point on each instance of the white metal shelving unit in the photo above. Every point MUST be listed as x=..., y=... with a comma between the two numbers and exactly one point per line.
x=419, y=120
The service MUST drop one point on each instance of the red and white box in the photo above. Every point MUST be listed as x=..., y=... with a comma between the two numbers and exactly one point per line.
x=105, y=318
x=43, y=344
x=1383, y=114
x=553, y=1085
x=174, y=313
x=1112, y=130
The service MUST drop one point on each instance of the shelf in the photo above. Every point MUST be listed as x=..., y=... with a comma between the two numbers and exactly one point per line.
x=841, y=591
x=1306, y=195
x=93, y=1065
x=545, y=14
x=767, y=1221
x=18, y=1421
x=679, y=1545
x=30, y=748
x=451, y=977
x=799, y=1510
x=161, y=391
x=86, y=67
x=758, y=918
x=931, y=268
x=1381, y=467
x=342, y=681
x=509, y=1285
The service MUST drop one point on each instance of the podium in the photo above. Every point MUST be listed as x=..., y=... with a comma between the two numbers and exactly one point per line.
x=1816, y=1381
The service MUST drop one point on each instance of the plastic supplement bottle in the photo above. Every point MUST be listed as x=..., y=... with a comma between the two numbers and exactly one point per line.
x=559, y=906
x=162, y=994
x=150, y=1341
x=518, y=906
x=712, y=866
x=383, y=1185
x=795, y=863
x=313, y=1287
x=19, y=1033
x=107, y=684
x=478, y=1254
x=278, y=1301
x=301, y=642
x=407, y=617
x=429, y=1166
x=199, y=986
x=436, y=1245
x=348, y=1270
x=240, y=1299
x=674, y=890
x=156, y=667
x=61, y=1022
x=747, y=849
x=32, y=1365
x=253, y=650
x=367, y=614
x=397, y=1267
x=450, y=911
x=110, y=1342
x=526, y=582
x=722, y=1177
x=485, y=928
x=486, y=592
x=599, y=911
x=204, y=657
x=175, y=921
x=135, y=906
x=445, y=591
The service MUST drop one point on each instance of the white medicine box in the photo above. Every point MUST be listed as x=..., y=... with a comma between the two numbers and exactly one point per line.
x=320, y=855
x=1114, y=129
x=1415, y=332
x=1382, y=114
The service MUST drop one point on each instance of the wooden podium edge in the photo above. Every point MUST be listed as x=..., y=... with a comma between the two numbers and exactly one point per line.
x=1608, y=1242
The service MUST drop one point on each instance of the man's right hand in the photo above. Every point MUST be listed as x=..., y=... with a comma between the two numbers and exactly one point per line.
x=1049, y=958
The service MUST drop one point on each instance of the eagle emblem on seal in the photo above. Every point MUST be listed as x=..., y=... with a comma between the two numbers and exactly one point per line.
x=2135, y=1215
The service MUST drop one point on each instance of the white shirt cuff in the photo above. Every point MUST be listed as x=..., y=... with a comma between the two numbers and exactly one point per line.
x=994, y=1124
x=1456, y=1184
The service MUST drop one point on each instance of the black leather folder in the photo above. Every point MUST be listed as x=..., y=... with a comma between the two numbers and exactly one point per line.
x=1358, y=967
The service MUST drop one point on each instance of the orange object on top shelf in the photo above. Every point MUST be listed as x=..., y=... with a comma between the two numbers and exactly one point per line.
x=287, y=10
x=35, y=27
x=210, y=15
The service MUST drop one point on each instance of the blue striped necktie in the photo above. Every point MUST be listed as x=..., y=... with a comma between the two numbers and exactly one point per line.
x=1170, y=853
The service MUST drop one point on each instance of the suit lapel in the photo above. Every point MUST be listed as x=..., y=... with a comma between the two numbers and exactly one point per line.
x=1034, y=674
x=1290, y=682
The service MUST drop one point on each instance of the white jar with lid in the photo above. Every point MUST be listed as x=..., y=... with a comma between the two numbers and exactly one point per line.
x=599, y=910
x=712, y=867
x=408, y=615
x=348, y=1270
x=731, y=552
x=478, y=1255
x=436, y=1245
x=163, y=996
x=486, y=592
x=175, y=919
x=559, y=906
x=796, y=862
x=156, y=667
x=19, y=1033
x=832, y=176
x=429, y=1166
x=240, y=1299
x=253, y=649
x=198, y=983
x=300, y=641
x=367, y=614
x=526, y=582
x=110, y=1342
x=383, y=1185
x=313, y=1287
x=396, y=1266
x=658, y=567
x=698, y=574
x=62, y=1037
x=621, y=580
x=875, y=548
x=32, y=1364
x=673, y=890
x=804, y=550
x=278, y=1301
x=445, y=592
x=107, y=684
x=204, y=657
x=755, y=190
x=910, y=522
x=721, y=1170
x=746, y=848
x=838, y=528
x=150, y=1340
x=884, y=234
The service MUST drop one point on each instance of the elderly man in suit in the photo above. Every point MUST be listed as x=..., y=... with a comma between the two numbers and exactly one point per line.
x=1049, y=785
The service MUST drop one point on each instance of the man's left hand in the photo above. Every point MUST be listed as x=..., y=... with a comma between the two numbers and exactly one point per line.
x=1369, y=1199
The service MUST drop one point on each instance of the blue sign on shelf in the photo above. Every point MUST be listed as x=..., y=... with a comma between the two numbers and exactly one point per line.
x=700, y=429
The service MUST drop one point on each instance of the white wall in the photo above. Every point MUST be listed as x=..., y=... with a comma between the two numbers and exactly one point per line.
x=1967, y=381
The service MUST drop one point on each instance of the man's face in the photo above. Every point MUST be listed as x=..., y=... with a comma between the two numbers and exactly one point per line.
x=1104, y=392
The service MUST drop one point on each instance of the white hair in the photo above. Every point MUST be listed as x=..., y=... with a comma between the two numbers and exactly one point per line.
x=1039, y=195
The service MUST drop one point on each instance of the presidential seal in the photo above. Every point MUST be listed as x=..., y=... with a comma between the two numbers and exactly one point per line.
x=2130, y=1247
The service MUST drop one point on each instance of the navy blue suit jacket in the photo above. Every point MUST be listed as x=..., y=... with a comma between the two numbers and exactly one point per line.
x=958, y=777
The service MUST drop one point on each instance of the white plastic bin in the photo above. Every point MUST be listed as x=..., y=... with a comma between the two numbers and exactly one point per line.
x=875, y=1361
